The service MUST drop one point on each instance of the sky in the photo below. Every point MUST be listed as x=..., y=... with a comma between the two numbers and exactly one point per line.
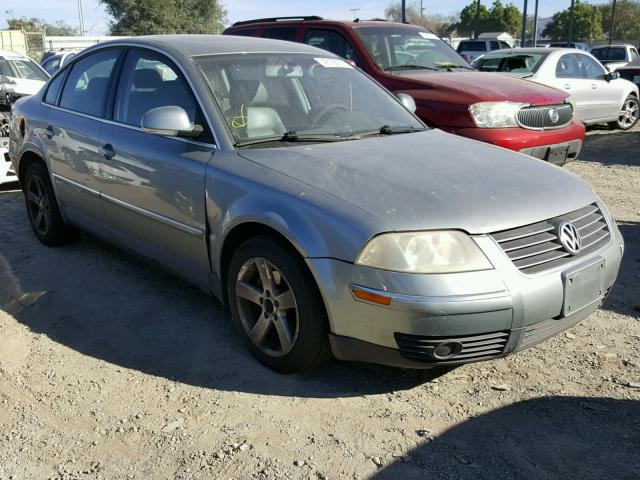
x=96, y=19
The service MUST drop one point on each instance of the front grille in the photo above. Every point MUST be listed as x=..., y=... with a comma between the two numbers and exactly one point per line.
x=542, y=117
x=536, y=247
x=474, y=347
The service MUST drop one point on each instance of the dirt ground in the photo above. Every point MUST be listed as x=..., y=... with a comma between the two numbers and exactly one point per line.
x=110, y=368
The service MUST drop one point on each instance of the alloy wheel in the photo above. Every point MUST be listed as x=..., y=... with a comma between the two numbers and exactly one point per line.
x=267, y=307
x=38, y=205
x=629, y=113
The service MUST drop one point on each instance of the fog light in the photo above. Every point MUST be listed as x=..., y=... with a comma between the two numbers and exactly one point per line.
x=447, y=350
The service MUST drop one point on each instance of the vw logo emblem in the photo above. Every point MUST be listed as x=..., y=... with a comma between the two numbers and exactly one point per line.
x=570, y=238
x=554, y=115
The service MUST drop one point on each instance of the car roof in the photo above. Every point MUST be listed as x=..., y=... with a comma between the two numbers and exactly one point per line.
x=546, y=50
x=261, y=22
x=193, y=45
x=620, y=45
x=10, y=53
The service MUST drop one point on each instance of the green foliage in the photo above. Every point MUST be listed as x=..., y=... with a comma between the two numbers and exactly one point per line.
x=499, y=18
x=587, y=25
x=34, y=24
x=627, y=24
x=150, y=17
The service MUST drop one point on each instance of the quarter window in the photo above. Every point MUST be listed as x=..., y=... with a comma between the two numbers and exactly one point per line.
x=150, y=81
x=54, y=88
x=87, y=86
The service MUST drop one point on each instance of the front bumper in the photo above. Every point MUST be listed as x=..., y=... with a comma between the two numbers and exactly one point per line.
x=487, y=314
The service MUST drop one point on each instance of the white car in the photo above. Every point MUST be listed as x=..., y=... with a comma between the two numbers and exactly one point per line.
x=614, y=57
x=598, y=96
x=19, y=76
x=7, y=173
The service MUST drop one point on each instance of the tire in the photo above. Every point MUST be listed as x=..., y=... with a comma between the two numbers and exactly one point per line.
x=42, y=208
x=629, y=114
x=284, y=325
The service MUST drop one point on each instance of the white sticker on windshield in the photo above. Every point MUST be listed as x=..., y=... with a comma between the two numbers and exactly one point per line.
x=429, y=35
x=332, y=62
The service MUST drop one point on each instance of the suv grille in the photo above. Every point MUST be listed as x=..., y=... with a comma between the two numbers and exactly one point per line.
x=474, y=347
x=546, y=116
x=536, y=247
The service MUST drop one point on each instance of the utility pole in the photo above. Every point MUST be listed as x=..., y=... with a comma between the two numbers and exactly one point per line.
x=403, y=12
x=81, y=15
x=421, y=10
x=571, y=18
x=476, y=30
x=613, y=22
x=535, y=26
x=354, y=11
x=523, y=41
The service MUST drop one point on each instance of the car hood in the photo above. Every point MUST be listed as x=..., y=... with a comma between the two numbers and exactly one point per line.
x=432, y=180
x=22, y=86
x=487, y=87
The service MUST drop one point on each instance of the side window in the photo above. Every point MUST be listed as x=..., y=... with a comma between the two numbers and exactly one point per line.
x=331, y=41
x=568, y=67
x=5, y=68
x=282, y=33
x=53, y=89
x=148, y=81
x=51, y=65
x=494, y=45
x=87, y=86
x=590, y=68
x=634, y=54
x=247, y=32
x=504, y=45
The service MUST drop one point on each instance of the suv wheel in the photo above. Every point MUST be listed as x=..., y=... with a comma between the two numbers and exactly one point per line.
x=276, y=306
x=45, y=218
x=628, y=114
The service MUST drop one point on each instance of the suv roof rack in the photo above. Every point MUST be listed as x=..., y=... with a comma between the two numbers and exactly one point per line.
x=357, y=20
x=277, y=19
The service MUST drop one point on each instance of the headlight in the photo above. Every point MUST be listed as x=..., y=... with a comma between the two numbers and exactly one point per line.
x=443, y=251
x=496, y=114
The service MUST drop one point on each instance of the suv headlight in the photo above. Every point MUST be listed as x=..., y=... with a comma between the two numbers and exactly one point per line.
x=496, y=114
x=444, y=251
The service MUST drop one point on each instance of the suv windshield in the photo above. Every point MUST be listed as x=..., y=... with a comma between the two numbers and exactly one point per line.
x=21, y=68
x=515, y=63
x=393, y=48
x=300, y=97
x=609, y=53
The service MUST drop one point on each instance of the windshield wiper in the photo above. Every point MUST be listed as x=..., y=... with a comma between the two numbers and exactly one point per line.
x=453, y=65
x=387, y=130
x=408, y=67
x=293, y=137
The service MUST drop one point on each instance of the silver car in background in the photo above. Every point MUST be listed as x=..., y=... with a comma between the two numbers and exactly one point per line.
x=311, y=202
x=598, y=96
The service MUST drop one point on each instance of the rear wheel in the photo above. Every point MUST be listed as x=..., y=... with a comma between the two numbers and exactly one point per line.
x=629, y=114
x=45, y=218
x=276, y=306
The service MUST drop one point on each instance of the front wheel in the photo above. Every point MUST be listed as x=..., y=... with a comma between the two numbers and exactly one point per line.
x=276, y=306
x=628, y=114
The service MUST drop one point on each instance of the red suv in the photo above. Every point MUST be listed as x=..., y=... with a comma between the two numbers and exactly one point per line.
x=449, y=94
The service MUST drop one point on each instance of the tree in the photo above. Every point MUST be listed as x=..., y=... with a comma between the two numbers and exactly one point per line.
x=149, y=17
x=467, y=22
x=439, y=24
x=587, y=25
x=34, y=24
x=499, y=18
x=627, y=24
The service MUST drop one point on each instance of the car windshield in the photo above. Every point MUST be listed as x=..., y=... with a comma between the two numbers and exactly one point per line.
x=397, y=47
x=299, y=96
x=22, y=68
x=514, y=62
x=472, y=47
x=609, y=53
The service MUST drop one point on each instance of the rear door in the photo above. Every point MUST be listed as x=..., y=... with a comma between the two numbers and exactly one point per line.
x=153, y=187
x=73, y=136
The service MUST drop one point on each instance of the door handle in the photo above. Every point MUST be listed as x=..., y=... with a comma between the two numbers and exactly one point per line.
x=107, y=151
x=567, y=86
x=49, y=132
x=594, y=86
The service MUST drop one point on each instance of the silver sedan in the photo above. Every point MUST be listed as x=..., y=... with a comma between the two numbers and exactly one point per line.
x=312, y=202
x=598, y=96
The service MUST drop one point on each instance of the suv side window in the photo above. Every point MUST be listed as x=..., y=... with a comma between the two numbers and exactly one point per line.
x=331, y=41
x=246, y=32
x=590, y=68
x=504, y=45
x=282, y=33
x=87, y=86
x=568, y=67
x=494, y=45
x=148, y=81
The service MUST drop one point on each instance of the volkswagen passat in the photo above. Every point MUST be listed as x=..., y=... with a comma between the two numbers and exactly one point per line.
x=312, y=202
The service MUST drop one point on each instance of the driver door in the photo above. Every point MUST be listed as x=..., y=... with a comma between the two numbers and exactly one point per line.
x=606, y=96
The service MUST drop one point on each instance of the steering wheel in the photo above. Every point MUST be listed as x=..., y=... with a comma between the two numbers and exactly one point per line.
x=327, y=112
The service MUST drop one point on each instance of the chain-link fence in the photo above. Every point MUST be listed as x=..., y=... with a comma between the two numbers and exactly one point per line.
x=35, y=44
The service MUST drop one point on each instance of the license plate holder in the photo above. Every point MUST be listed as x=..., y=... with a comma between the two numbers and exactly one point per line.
x=583, y=286
x=557, y=154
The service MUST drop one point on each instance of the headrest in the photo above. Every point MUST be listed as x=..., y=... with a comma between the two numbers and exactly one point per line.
x=147, y=78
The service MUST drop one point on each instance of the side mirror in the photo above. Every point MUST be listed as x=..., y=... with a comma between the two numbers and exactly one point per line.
x=407, y=102
x=612, y=76
x=170, y=121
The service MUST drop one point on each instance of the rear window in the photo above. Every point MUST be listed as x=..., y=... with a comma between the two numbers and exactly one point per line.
x=472, y=47
x=610, y=53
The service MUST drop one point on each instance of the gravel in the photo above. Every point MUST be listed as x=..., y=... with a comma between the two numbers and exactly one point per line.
x=111, y=368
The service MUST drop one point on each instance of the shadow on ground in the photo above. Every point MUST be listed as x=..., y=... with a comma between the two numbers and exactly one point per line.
x=625, y=296
x=544, y=438
x=618, y=148
x=98, y=301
